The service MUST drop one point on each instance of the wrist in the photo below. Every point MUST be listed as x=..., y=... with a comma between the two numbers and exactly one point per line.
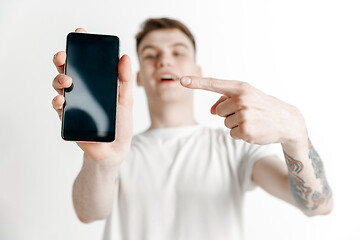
x=295, y=131
x=109, y=164
x=296, y=137
x=297, y=147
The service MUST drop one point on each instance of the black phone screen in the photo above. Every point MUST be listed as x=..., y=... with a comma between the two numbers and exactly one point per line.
x=89, y=112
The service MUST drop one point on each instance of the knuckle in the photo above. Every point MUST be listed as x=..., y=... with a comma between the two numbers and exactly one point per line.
x=243, y=114
x=54, y=101
x=238, y=87
x=59, y=76
x=56, y=84
x=239, y=101
x=243, y=87
x=244, y=128
x=234, y=133
x=58, y=100
x=220, y=112
x=205, y=83
x=55, y=58
x=212, y=83
x=62, y=80
x=227, y=122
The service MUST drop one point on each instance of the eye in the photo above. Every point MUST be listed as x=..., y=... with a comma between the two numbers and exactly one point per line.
x=150, y=56
x=178, y=54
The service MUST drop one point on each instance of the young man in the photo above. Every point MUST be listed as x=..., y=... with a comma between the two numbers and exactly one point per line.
x=181, y=180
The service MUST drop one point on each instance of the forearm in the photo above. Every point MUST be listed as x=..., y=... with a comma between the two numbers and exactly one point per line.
x=93, y=190
x=308, y=184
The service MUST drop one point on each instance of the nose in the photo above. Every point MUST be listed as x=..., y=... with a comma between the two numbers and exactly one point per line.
x=164, y=61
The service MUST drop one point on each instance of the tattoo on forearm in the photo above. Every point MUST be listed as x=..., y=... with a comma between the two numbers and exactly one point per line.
x=316, y=162
x=318, y=199
x=304, y=196
x=293, y=165
x=319, y=172
x=299, y=191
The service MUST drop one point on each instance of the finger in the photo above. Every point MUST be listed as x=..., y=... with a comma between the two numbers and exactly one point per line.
x=59, y=61
x=125, y=80
x=232, y=120
x=221, y=99
x=80, y=30
x=226, y=87
x=125, y=100
x=227, y=107
x=60, y=57
x=58, y=103
x=239, y=132
x=60, y=82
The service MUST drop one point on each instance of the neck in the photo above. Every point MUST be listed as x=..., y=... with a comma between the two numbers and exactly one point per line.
x=171, y=114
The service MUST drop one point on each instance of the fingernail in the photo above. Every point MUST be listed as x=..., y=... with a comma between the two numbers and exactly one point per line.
x=185, y=81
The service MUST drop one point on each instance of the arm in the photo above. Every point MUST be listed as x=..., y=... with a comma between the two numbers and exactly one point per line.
x=307, y=179
x=93, y=190
x=259, y=118
x=301, y=183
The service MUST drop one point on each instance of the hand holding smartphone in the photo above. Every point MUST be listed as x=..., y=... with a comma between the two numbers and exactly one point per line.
x=105, y=153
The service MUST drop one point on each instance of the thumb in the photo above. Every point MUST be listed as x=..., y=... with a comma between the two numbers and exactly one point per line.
x=125, y=81
x=125, y=101
x=221, y=99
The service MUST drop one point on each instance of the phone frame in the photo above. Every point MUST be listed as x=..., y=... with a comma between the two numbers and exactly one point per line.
x=74, y=135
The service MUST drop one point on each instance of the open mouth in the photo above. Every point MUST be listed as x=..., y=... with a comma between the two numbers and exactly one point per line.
x=168, y=78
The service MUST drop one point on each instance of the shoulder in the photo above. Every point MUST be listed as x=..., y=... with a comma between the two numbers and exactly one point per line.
x=219, y=135
x=242, y=149
x=220, y=139
x=138, y=138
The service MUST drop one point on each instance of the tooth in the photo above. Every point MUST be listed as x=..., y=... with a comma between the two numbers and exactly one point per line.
x=167, y=76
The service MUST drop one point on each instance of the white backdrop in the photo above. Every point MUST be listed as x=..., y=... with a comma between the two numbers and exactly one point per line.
x=304, y=52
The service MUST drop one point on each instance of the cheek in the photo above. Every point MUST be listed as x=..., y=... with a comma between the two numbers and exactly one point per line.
x=146, y=76
x=146, y=69
x=188, y=68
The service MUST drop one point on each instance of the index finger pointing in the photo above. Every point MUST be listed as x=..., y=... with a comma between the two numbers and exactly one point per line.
x=226, y=87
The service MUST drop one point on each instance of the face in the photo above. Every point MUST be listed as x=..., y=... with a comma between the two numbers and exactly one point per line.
x=165, y=56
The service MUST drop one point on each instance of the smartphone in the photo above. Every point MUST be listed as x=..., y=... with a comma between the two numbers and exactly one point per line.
x=89, y=111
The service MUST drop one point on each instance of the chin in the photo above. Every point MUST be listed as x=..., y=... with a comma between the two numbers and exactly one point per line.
x=174, y=96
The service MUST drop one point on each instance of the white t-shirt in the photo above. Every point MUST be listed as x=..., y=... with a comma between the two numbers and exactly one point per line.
x=183, y=183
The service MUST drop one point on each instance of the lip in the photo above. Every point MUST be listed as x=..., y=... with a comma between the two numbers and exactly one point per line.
x=167, y=74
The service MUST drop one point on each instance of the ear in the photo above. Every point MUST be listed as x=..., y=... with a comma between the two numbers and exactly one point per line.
x=138, y=79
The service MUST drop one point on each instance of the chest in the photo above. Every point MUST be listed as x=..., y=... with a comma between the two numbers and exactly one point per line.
x=192, y=169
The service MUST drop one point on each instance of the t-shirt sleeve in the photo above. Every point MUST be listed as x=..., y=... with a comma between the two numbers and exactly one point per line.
x=249, y=154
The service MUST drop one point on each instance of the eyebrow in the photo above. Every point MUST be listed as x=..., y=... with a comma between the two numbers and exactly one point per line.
x=174, y=45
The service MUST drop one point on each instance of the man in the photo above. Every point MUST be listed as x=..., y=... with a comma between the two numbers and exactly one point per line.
x=181, y=180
